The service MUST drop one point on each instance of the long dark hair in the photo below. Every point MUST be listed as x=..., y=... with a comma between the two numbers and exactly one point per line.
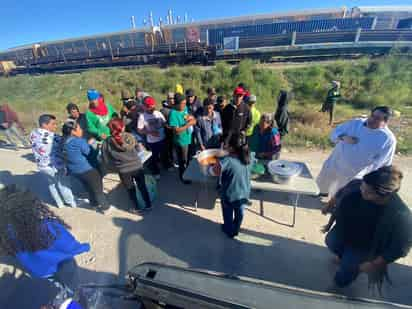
x=68, y=127
x=22, y=222
x=240, y=148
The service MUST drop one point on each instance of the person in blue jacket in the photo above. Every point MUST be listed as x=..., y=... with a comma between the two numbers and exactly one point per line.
x=234, y=171
x=77, y=154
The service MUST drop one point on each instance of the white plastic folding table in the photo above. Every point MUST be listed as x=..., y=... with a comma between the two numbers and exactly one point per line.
x=303, y=184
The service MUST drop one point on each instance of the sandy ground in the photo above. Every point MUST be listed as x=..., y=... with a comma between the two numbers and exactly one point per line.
x=174, y=234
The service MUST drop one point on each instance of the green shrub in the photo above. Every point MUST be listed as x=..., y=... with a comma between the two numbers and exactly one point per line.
x=365, y=83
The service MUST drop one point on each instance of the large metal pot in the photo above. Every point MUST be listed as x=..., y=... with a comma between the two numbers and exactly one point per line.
x=282, y=171
x=206, y=158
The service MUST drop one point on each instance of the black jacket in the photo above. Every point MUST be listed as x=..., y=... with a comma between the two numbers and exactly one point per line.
x=235, y=120
x=282, y=113
x=392, y=238
x=130, y=119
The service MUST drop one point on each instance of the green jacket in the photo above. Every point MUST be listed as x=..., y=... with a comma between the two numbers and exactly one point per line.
x=333, y=96
x=97, y=125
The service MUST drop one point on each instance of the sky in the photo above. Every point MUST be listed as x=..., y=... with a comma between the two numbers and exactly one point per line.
x=29, y=21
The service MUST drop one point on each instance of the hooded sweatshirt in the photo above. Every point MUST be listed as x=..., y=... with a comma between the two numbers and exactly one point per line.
x=123, y=158
x=97, y=122
x=46, y=147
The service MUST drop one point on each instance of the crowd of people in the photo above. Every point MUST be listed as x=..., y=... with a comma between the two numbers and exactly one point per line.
x=369, y=226
x=103, y=140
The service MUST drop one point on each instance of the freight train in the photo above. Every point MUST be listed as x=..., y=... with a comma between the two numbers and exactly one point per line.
x=360, y=29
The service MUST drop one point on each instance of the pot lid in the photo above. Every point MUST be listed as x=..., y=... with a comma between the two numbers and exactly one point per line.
x=284, y=168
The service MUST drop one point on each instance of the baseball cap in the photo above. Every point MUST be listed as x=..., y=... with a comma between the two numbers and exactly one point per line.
x=149, y=102
x=211, y=90
x=239, y=91
x=252, y=99
x=93, y=94
x=190, y=93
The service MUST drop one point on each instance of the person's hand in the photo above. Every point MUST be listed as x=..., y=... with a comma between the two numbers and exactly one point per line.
x=349, y=139
x=103, y=136
x=202, y=147
x=5, y=125
x=91, y=141
x=217, y=169
x=192, y=121
x=367, y=267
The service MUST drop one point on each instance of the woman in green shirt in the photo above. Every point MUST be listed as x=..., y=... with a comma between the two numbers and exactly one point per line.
x=98, y=115
x=182, y=124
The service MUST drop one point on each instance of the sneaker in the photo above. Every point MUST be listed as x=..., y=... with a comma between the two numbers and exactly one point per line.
x=228, y=234
x=80, y=201
x=134, y=211
x=148, y=208
x=108, y=210
x=175, y=165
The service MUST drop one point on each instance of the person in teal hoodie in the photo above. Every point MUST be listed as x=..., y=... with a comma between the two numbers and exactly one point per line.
x=98, y=115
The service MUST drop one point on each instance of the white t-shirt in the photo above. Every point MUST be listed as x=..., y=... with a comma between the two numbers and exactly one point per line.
x=152, y=123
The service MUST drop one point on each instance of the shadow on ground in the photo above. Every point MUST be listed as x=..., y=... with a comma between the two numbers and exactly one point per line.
x=20, y=290
x=182, y=238
x=37, y=183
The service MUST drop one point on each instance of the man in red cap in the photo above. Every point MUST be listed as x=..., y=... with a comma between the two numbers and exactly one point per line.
x=151, y=124
x=236, y=117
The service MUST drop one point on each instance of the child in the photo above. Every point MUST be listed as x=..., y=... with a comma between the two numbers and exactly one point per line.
x=46, y=147
x=120, y=152
x=234, y=171
x=77, y=151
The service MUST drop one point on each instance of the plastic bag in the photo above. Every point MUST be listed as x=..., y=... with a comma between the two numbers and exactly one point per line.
x=151, y=186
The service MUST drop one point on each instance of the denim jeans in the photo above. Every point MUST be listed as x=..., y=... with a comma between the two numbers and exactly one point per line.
x=350, y=258
x=156, y=149
x=58, y=186
x=12, y=134
x=232, y=217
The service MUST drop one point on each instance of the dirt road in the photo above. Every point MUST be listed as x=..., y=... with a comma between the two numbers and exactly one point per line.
x=175, y=235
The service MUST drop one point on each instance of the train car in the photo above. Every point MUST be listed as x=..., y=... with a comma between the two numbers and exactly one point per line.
x=405, y=24
x=217, y=36
x=201, y=39
x=388, y=17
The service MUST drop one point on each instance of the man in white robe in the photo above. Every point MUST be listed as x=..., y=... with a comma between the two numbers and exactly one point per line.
x=362, y=146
